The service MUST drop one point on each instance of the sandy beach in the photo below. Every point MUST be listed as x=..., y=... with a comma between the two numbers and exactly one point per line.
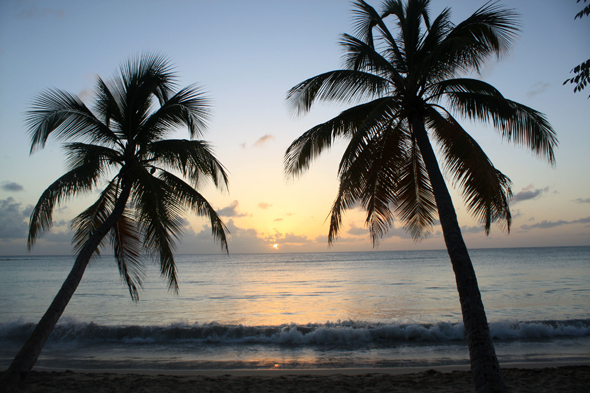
x=520, y=380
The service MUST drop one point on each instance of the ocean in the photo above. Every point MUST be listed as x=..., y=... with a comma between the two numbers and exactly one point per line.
x=315, y=310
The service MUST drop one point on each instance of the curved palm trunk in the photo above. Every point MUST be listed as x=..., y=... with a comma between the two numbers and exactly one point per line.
x=484, y=363
x=24, y=361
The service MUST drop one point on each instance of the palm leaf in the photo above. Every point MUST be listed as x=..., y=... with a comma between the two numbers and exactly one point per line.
x=79, y=154
x=158, y=213
x=365, y=20
x=339, y=86
x=485, y=189
x=516, y=122
x=87, y=222
x=489, y=30
x=78, y=180
x=109, y=106
x=64, y=116
x=125, y=238
x=360, y=56
x=194, y=159
x=369, y=177
x=312, y=143
x=191, y=199
x=189, y=107
x=416, y=205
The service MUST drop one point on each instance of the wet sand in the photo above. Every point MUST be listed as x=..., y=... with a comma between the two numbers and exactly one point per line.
x=569, y=379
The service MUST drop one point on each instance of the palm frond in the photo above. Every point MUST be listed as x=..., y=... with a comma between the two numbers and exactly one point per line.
x=78, y=154
x=86, y=223
x=313, y=142
x=141, y=80
x=338, y=86
x=426, y=70
x=488, y=31
x=190, y=198
x=367, y=19
x=126, y=241
x=360, y=56
x=380, y=194
x=109, y=107
x=158, y=213
x=189, y=107
x=346, y=198
x=147, y=74
x=64, y=116
x=416, y=206
x=194, y=159
x=438, y=90
x=410, y=28
x=78, y=180
x=516, y=122
x=485, y=189
x=369, y=173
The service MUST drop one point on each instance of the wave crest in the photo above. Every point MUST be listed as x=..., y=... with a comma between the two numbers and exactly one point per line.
x=329, y=333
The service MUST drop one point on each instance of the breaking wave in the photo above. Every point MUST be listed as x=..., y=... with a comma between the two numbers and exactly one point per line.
x=345, y=333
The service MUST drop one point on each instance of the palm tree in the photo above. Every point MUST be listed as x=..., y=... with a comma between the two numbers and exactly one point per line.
x=389, y=166
x=139, y=209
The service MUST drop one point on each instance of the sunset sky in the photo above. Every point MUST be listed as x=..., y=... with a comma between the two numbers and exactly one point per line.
x=246, y=55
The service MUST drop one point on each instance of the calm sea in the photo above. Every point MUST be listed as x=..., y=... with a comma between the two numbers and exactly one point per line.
x=317, y=310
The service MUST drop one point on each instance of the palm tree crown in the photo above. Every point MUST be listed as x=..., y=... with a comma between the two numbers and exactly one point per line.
x=121, y=145
x=403, y=78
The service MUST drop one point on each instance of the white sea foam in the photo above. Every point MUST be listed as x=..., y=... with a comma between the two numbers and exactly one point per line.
x=347, y=333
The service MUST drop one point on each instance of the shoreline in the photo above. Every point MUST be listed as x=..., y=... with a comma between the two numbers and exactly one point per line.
x=272, y=372
x=551, y=377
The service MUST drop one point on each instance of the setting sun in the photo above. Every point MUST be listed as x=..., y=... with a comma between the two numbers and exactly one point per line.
x=275, y=246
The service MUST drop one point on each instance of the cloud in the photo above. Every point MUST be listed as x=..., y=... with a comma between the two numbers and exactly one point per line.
x=86, y=95
x=240, y=240
x=14, y=230
x=231, y=211
x=580, y=200
x=552, y=224
x=537, y=88
x=397, y=232
x=60, y=237
x=529, y=192
x=278, y=219
x=11, y=186
x=264, y=205
x=61, y=223
x=12, y=222
x=286, y=238
x=28, y=210
x=472, y=229
x=262, y=140
x=356, y=231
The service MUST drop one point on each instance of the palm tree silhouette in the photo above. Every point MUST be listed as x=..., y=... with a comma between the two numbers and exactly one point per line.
x=389, y=166
x=140, y=209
